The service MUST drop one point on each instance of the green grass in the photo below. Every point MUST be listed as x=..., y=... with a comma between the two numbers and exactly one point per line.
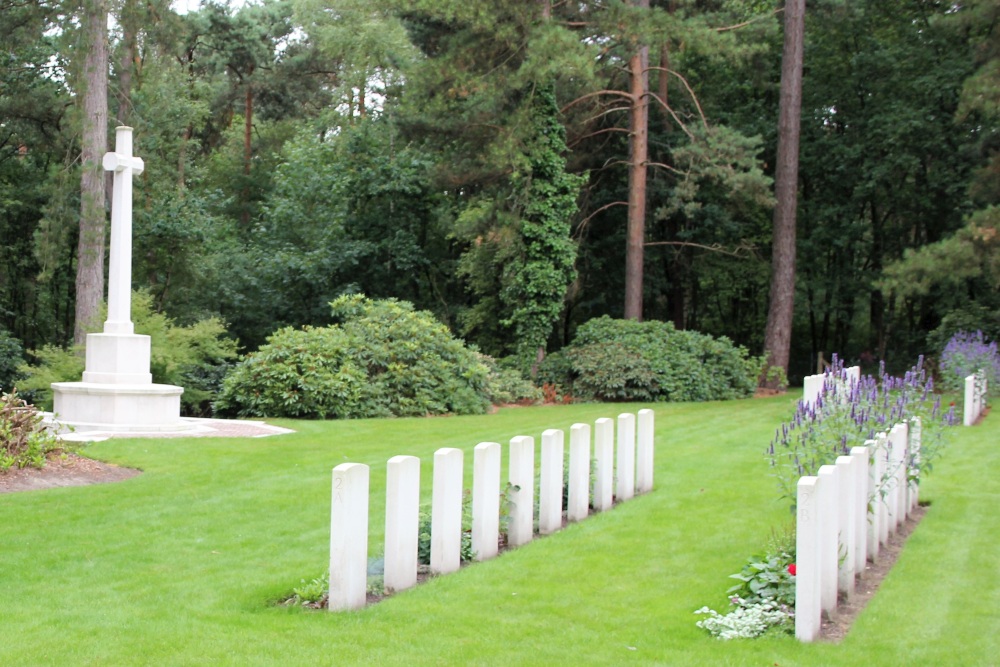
x=180, y=565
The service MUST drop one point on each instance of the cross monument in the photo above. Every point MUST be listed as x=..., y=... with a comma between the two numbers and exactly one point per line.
x=117, y=392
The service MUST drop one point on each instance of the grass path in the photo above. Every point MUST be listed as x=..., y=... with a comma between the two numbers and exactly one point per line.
x=179, y=565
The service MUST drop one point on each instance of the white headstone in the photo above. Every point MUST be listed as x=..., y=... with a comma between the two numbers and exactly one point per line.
x=829, y=493
x=446, y=511
x=902, y=431
x=970, y=401
x=847, y=503
x=521, y=471
x=550, y=488
x=644, y=452
x=893, y=486
x=604, y=458
x=860, y=456
x=807, y=560
x=578, y=494
x=486, y=500
x=812, y=388
x=402, y=522
x=625, y=487
x=882, y=501
x=872, y=540
x=349, y=537
x=913, y=488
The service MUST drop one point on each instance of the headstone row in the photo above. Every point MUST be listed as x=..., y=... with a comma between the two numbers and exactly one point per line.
x=844, y=515
x=813, y=385
x=632, y=460
x=976, y=387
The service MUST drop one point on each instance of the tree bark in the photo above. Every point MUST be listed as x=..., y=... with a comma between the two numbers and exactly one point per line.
x=93, y=217
x=638, y=159
x=778, y=333
x=130, y=29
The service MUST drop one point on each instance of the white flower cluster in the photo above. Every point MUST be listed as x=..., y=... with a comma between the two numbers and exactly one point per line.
x=748, y=620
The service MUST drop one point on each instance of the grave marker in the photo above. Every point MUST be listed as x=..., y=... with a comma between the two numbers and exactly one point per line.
x=349, y=537
x=807, y=560
x=446, y=511
x=521, y=471
x=860, y=456
x=578, y=501
x=550, y=493
x=486, y=500
x=402, y=522
x=644, y=452
x=626, y=457
x=829, y=521
x=604, y=452
x=874, y=529
x=847, y=502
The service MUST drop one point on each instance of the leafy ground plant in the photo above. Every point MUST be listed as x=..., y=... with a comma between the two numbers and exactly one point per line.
x=763, y=601
x=747, y=620
x=24, y=440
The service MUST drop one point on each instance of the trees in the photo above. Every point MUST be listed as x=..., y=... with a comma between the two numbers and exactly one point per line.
x=479, y=159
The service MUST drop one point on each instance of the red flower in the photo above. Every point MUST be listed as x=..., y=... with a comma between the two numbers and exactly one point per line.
x=791, y=569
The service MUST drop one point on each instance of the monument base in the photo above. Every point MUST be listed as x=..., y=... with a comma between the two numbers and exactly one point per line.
x=118, y=408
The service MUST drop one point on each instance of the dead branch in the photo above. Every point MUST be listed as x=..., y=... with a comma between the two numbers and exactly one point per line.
x=739, y=251
x=617, y=93
x=750, y=22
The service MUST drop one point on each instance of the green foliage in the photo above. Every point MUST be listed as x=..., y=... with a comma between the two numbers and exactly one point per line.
x=624, y=360
x=383, y=359
x=51, y=363
x=191, y=356
x=536, y=285
x=767, y=577
x=24, y=440
x=11, y=358
x=507, y=385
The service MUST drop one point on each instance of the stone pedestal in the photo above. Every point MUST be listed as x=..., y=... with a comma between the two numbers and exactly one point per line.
x=118, y=408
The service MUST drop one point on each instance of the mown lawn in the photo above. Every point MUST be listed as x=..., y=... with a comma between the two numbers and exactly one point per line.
x=181, y=565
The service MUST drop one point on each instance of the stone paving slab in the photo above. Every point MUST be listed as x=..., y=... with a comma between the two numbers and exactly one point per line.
x=197, y=428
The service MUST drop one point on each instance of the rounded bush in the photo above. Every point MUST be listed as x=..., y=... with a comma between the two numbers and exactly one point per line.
x=381, y=359
x=625, y=360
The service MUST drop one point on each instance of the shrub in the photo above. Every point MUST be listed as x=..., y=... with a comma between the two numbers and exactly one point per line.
x=508, y=385
x=966, y=353
x=11, y=358
x=24, y=440
x=625, y=360
x=382, y=359
x=848, y=415
x=187, y=356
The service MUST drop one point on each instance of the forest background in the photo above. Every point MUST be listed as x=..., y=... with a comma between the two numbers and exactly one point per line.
x=479, y=160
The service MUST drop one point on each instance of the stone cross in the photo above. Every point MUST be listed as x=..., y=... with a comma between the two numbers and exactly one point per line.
x=124, y=165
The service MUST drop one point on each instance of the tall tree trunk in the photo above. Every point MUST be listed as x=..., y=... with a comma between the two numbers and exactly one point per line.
x=778, y=333
x=93, y=219
x=129, y=23
x=638, y=159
